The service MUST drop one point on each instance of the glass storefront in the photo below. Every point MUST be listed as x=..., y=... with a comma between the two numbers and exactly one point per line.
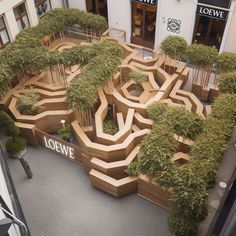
x=210, y=23
x=143, y=24
x=209, y=31
x=98, y=7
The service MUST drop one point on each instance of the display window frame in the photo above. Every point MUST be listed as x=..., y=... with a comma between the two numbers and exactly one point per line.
x=2, y=29
x=98, y=7
x=21, y=17
x=143, y=24
x=209, y=29
x=40, y=7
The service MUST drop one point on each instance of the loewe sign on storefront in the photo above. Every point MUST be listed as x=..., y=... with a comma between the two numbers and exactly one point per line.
x=212, y=12
x=147, y=2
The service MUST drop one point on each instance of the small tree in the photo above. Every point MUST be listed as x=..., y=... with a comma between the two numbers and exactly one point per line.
x=202, y=59
x=174, y=47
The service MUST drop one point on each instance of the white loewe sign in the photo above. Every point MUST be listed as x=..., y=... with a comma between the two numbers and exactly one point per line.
x=59, y=147
x=148, y=2
x=212, y=12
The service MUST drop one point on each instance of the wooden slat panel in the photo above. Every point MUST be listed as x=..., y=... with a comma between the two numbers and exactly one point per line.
x=153, y=192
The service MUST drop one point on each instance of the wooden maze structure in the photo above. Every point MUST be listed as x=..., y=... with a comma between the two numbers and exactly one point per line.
x=106, y=156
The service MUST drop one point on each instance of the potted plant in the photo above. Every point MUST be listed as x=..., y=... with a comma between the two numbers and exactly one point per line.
x=16, y=146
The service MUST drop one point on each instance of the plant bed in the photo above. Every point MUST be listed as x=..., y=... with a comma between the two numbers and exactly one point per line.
x=135, y=90
x=27, y=104
x=110, y=127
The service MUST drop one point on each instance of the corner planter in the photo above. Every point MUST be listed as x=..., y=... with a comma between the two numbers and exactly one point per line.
x=153, y=192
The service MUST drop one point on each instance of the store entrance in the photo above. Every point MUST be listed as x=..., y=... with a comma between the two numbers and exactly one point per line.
x=98, y=7
x=209, y=31
x=143, y=24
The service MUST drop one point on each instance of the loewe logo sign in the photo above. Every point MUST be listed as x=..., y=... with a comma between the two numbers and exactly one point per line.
x=59, y=147
x=212, y=12
x=148, y=2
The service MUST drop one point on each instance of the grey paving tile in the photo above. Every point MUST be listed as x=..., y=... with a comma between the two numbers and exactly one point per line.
x=60, y=201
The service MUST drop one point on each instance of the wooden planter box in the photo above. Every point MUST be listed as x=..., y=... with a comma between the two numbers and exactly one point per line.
x=153, y=192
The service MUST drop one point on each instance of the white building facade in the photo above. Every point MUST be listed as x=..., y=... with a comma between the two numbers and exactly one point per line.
x=148, y=22
x=16, y=15
x=145, y=22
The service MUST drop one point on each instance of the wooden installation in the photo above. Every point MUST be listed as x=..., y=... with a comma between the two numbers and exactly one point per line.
x=121, y=102
x=153, y=192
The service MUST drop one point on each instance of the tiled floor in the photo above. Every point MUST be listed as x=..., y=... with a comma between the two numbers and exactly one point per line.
x=60, y=201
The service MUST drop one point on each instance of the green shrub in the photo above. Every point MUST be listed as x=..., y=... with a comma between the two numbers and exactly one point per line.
x=174, y=46
x=182, y=122
x=226, y=61
x=156, y=151
x=182, y=226
x=27, y=104
x=6, y=119
x=16, y=144
x=110, y=127
x=199, y=54
x=13, y=130
x=207, y=169
x=65, y=132
x=227, y=82
x=82, y=92
x=156, y=110
x=137, y=76
x=188, y=201
x=27, y=51
x=224, y=107
x=132, y=169
x=5, y=77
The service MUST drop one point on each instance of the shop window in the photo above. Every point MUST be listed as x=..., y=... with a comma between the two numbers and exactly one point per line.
x=218, y=3
x=209, y=31
x=42, y=7
x=4, y=37
x=98, y=7
x=143, y=24
x=21, y=17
